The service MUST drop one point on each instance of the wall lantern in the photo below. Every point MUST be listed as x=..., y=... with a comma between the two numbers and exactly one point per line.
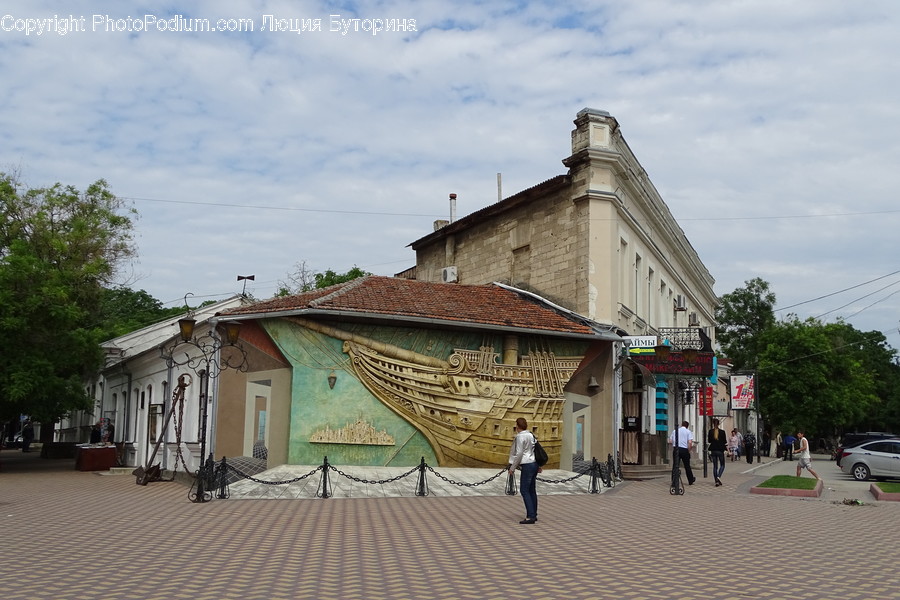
x=186, y=328
x=690, y=355
x=662, y=352
x=232, y=331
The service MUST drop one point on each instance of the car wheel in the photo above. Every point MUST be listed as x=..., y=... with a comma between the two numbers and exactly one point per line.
x=860, y=472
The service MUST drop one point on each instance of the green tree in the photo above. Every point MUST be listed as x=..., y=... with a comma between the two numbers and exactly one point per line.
x=303, y=279
x=58, y=248
x=743, y=316
x=816, y=377
x=329, y=277
x=125, y=310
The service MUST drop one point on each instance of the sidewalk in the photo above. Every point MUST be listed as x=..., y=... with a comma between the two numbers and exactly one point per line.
x=74, y=535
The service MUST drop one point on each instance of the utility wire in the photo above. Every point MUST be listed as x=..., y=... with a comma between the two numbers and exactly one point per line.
x=858, y=299
x=286, y=208
x=837, y=292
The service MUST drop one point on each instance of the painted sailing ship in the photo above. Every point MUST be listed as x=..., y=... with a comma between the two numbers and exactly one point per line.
x=467, y=405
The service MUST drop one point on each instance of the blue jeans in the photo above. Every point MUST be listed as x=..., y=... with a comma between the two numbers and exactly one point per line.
x=718, y=462
x=528, y=486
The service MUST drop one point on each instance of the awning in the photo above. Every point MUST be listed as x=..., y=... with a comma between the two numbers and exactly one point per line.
x=648, y=376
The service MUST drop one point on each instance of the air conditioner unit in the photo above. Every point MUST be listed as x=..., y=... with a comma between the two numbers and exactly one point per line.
x=693, y=320
x=448, y=275
x=680, y=302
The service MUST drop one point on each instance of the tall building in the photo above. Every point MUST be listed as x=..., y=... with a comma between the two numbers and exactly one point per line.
x=598, y=240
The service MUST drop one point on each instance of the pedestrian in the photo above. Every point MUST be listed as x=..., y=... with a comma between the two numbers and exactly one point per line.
x=682, y=440
x=717, y=442
x=27, y=436
x=521, y=455
x=96, y=433
x=766, y=444
x=110, y=433
x=734, y=445
x=779, y=445
x=749, y=446
x=804, y=461
x=789, y=447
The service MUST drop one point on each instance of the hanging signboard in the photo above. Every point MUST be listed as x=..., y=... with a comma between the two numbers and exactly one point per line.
x=707, y=394
x=743, y=391
x=677, y=364
x=641, y=344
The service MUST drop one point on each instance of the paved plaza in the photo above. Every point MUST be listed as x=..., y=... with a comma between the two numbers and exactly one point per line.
x=71, y=535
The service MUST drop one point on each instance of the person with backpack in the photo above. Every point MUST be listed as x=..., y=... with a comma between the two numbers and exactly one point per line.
x=521, y=456
x=749, y=446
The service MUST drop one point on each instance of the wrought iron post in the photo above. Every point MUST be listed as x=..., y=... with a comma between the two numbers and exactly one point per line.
x=222, y=475
x=611, y=470
x=204, y=401
x=594, y=487
x=203, y=355
x=324, y=490
x=422, y=486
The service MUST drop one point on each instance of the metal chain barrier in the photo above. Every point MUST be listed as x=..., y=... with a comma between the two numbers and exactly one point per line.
x=243, y=475
x=218, y=480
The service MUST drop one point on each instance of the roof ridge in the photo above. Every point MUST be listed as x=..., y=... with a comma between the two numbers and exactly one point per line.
x=341, y=289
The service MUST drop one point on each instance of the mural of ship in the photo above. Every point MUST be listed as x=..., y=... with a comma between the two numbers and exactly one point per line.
x=466, y=406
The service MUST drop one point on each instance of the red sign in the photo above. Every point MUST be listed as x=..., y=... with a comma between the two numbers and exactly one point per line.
x=675, y=364
x=706, y=401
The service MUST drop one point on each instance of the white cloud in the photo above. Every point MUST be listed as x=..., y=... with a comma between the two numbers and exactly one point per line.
x=737, y=110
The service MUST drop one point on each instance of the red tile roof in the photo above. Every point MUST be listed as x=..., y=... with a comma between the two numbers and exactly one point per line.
x=377, y=295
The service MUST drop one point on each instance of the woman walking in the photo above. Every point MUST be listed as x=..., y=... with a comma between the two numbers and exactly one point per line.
x=734, y=445
x=716, y=441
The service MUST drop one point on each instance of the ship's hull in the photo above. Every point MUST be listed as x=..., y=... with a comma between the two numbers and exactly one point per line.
x=467, y=407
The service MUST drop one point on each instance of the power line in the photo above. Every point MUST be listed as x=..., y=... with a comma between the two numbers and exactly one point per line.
x=837, y=292
x=860, y=298
x=432, y=215
x=764, y=218
x=285, y=208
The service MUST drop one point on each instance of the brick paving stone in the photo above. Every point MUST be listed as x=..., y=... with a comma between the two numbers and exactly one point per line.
x=71, y=535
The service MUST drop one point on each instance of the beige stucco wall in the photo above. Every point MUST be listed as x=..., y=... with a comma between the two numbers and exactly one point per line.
x=605, y=245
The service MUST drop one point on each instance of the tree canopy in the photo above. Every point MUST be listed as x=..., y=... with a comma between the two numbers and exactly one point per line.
x=743, y=316
x=304, y=279
x=824, y=378
x=125, y=310
x=59, y=247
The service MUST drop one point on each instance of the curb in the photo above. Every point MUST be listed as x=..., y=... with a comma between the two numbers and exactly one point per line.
x=885, y=496
x=813, y=493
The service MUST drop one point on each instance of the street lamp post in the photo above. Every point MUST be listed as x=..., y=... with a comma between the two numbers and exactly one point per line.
x=204, y=355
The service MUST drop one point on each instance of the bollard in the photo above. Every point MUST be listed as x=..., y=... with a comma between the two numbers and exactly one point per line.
x=422, y=486
x=595, y=477
x=324, y=490
x=222, y=476
x=610, y=471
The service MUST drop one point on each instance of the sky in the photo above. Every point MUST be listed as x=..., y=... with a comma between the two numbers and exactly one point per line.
x=771, y=129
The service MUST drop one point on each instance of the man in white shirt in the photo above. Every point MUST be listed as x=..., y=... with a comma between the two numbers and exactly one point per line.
x=683, y=440
x=805, y=461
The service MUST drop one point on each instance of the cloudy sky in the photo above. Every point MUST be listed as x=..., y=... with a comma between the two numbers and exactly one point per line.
x=771, y=129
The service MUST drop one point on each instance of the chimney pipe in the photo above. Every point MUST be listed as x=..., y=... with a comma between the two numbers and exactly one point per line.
x=452, y=208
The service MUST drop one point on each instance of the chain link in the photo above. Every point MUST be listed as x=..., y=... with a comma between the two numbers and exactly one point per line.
x=567, y=480
x=369, y=481
x=282, y=482
x=462, y=483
